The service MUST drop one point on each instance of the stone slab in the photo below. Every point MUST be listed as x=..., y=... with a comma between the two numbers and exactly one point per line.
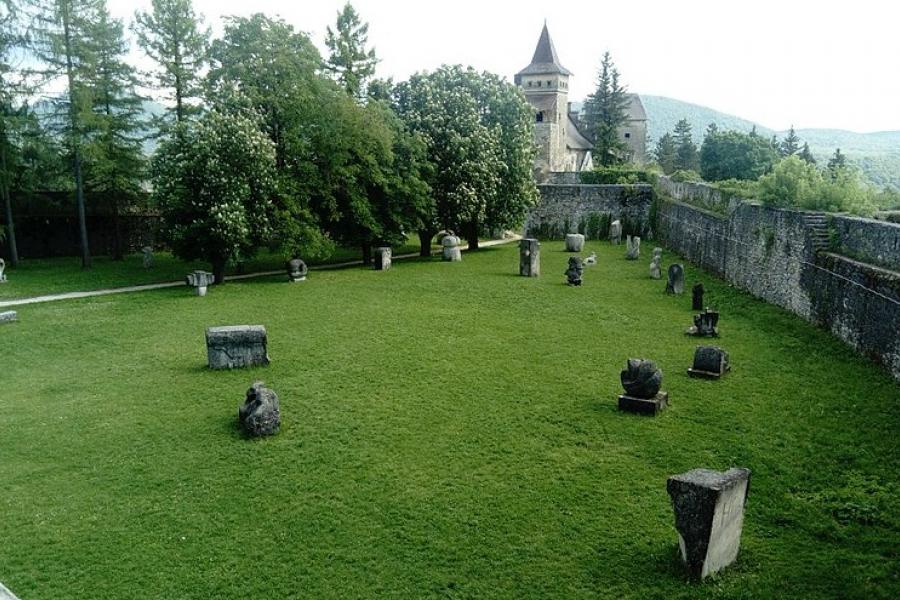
x=9, y=316
x=237, y=346
x=698, y=374
x=644, y=406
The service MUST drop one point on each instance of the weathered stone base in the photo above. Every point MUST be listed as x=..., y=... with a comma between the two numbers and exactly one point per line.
x=698, y=374
x=237, y=346
x=697, y=333
x=644, y=406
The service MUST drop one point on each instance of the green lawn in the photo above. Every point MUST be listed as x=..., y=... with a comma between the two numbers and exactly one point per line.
x=40, y=276
x=448, y=430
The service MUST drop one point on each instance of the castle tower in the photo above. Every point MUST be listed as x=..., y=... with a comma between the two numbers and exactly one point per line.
x=546, y=85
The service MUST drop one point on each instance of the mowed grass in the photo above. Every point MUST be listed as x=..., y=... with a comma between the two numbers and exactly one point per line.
x=448, y=430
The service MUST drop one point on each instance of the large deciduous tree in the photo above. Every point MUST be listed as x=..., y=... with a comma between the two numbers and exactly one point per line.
x=605, y=113
x=735, y=155
x=478, y=131
x=349, y=60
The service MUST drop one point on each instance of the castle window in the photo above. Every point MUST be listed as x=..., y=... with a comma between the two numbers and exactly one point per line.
x=548, y=83
x=539, y=84
x=540, y=117
x=627, y=135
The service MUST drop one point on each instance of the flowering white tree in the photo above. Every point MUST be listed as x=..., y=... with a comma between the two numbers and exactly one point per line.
x=215, y=183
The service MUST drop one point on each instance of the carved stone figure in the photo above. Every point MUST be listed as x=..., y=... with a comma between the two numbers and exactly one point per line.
x=710, y=362
x=574, y=242
x=632, y=247
x=615, y=232
x=260, y=414
x=642, y=380
x=381, y=258
x=297, y=270
x=675, y=284
x=705, y=324
x=591, y=260
x=654, y=263
x=148, y=257
x=200, y=280
x=575, y=271
x=709, y=516
x=529, y=257
x=697, y=300
x=450, y=249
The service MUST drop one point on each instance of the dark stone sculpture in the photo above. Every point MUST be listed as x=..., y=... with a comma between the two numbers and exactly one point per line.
x=705, y=324
x=697, y=300
x=260, y=414
x=297, y=270
x=710, y=362
x=642, y=380
x=675, y=284
x=529, y=257
x=575, y=271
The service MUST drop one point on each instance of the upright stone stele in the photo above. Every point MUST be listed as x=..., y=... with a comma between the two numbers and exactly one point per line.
x=450, y=251
x=632, y=247
x=381, y=258
x=642, y=380
x=200, y=281
x=575, y=271
x=697, y=297
x=710, y=362
x=237, y=346
x=2, y=269
x=8, y=317
x=260, y=415
x=529, y=257
x=675, y=284
x=615, y=232
x=709, y=517
x=297, y=270
x=147, y=259
x=574, y=242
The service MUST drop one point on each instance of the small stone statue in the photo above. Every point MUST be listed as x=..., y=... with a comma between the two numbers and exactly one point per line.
x=632, y=247
x=642, y=380
x=575, y=271
x=697, y=293
x=382, y=258
x=654, y=263
x=705, y=324
x=260, y=414
x=574, y=242
x=200, y=280
x=675, y=284
x=591, y=260
x=615, y=232
x=148, y=257
x=450, y=248
x=529, y=257
x=2, y=269
x=710, y=362
x=297, y=270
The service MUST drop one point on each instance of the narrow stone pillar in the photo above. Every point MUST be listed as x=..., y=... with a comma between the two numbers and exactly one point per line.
x=709, y=517
x=381, y=258
x=529, y=257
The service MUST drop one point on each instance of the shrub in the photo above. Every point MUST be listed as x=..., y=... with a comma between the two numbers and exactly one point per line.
x=796, y=183
x=686, y=176
x=624, y=174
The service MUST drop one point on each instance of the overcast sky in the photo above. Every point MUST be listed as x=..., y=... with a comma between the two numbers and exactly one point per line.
x=826, y=63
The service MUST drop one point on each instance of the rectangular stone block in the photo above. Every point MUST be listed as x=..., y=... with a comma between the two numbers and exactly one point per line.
x=9, y=316
x=381, y=258
x=644, y=406
x=529, y=258
x=709, y=517
x=237, y=346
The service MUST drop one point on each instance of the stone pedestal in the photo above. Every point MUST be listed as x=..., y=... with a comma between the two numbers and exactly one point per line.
x=450, y=249
x=644, y=406
x=709, y=517
x=9, y=316
x=200, y=280
x=237, y=346
x=529, y=258
x=574, y=242
x=710, y=362
x=381, y=258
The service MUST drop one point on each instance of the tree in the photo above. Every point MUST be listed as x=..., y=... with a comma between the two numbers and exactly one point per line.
x=478, y=132
x=806, y=154
x=790, y=145
x=65, y=44
x=172, y=35
x=114, y=157
x=10, y=39
x=797, y=183
x=605, y=113
x=711, y=129
x=666, y=153
x=349, y=60
x=735, y=155
x=837, y=163
x=215, y=184
x=686, y=156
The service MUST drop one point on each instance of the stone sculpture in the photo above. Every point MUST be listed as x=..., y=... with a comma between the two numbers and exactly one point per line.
x=591, y=260
x=615, y=232
x=148, y=257
x=705, y=324
x=381, y=258
x=574, y=242
x=675, y=284
x=200, y=280
x=710, y=362
x=642, y=380
x=697, y=300
x=450, y=249
x=632, y=247
x=9, y=316
x=260, y=414
x=237, y=346
x=575, y=271
x=709, y=516
x=529, y=257
x=297, y=270
x=2, y=269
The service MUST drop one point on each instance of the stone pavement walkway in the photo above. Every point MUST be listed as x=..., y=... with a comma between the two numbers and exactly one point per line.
x=169, y=284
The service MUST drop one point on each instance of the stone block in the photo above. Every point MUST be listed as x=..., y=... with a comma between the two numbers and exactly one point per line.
x=381, y=258
x=709, y=517
x=237, y=346
x=644, y=406
x=574, y=242
x=529, y=257
x=9, y=316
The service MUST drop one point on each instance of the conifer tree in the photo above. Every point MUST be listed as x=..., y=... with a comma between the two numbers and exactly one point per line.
x=687, y=157
x=837, y=163
x=790, y=145
x=712, y=129
x=350, y=61
x=666, y=153
x=806, y=155
x=605, y=113
x=10, y=37
x=174, y=37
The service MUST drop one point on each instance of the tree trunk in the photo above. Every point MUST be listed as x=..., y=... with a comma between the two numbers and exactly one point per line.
x=367, y=253
x=82, y=218
x=7, y=207
x=118, y=253
x=218, y=266
x=425, y=237
x=472, y=234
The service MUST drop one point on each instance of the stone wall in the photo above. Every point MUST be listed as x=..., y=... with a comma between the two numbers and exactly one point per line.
x=868, y=240
x=589, y=209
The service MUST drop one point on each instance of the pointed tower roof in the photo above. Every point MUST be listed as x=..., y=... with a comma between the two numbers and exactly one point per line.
x=544, y=59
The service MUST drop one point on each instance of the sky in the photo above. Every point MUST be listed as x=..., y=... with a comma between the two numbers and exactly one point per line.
x=821, y=64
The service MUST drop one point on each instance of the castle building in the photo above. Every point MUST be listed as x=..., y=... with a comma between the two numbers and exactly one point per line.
x=562, y=145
